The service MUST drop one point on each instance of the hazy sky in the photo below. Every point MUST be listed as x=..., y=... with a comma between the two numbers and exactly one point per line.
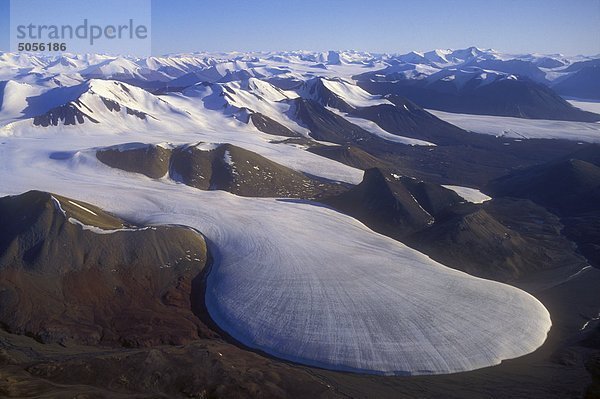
x=547, y=26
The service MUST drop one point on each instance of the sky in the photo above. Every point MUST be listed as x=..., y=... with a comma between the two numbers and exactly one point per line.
x=395, y=26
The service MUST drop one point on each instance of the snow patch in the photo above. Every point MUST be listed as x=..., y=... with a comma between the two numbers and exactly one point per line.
x=352, y=94
x=58, y=206
x=207, y=146
x=227, y=158
x=82, y=207
x=99, y=230
x=590, y=321
x=470, y=194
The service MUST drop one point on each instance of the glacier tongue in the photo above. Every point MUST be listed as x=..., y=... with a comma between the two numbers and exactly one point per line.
x=361, y=302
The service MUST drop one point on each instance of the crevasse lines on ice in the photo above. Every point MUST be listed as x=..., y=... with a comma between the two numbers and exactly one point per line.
x=373, y=314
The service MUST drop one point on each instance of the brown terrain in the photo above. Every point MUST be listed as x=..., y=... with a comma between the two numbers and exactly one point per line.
x=63, y=283
x=222, y=167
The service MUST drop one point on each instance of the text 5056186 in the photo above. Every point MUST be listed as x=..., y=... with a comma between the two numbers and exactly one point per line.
x=36, y=46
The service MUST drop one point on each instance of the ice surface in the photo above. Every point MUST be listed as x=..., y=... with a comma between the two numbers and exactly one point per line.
x=518, y=128
x=470, y=194
x=363, y=302
x=586, y=105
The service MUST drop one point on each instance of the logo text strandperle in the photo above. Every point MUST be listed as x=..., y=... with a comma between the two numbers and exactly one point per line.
x=82, y=31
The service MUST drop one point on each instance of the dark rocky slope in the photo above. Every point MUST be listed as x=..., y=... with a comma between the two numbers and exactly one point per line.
x=570, y=188
x=508, y=240
x=465, y=157
x=405, y=118
x=326, y=125
x=69, y=274
x=567, y=187
x=392, y=204
x=270, y=126
x=504, y=97
x=149, y=160
x=315, y=90
x=585, y=83
x=242, y=172
x=350, y=155
x=219, y=167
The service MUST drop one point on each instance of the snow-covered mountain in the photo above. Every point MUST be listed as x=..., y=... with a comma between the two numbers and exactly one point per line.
x=259, y=89
x=96, y=101
x=338, y=93
x=215, y=66
x=179, y=71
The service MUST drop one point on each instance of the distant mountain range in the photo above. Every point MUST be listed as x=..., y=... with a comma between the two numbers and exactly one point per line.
x=468, y=80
